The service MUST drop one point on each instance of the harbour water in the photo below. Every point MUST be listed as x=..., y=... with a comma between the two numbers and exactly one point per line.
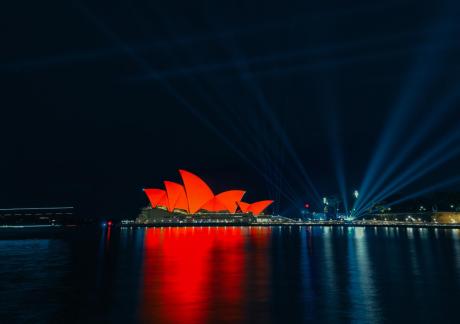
x=232, y=274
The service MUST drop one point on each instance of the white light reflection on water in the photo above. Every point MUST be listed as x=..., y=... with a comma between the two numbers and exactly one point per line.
x=305, y=269
x=456, y=243
x=362, y=288
x=415, y=266
x=329, y=270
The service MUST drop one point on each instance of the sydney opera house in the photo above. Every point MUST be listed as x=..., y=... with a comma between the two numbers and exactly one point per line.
x=193, y=200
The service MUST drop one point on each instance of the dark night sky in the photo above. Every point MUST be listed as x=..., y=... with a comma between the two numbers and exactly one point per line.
x=100, y=100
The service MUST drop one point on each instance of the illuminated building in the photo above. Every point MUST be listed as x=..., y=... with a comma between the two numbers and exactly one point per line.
x=195, y=198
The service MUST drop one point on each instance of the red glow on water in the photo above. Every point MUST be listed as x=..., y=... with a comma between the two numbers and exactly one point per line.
x=197, y=275
x=108, y=233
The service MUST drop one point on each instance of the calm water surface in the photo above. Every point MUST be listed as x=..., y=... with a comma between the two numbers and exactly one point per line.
x=232, y=274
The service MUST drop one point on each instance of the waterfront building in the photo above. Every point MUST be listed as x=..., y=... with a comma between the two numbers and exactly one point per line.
x=194, y=201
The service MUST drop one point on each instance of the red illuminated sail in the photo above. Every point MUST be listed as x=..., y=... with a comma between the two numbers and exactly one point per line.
x=182, y=202
x=230, y=199
x=259, y=206
x=214, y=205
x=197, y=191
x=154, y=195
x=164, y=201
x=176, y=196
x=243, y=206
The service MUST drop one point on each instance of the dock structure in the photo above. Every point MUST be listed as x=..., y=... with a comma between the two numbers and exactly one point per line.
x=37, y=215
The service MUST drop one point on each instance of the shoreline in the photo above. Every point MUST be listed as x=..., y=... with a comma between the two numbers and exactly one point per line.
x=300, y=224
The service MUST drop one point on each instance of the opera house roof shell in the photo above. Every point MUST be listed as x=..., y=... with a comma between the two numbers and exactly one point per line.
x=195, y=196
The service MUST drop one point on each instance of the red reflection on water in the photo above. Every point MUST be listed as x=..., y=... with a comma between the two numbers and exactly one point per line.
x=260, y=275
x=195, y=275
x=109, y=229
